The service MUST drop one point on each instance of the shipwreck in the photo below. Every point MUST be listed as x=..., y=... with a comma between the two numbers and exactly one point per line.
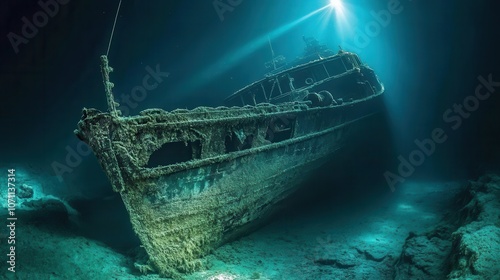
x=192, y=180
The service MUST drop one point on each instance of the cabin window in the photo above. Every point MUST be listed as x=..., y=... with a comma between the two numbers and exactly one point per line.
x=358, y=61
x=285, y=84
x=280, y=129
x=258, y=92
x=248, y=98
x=319, y=72
x=335, y=67
x=175, y=152
x=302, y=77
x=348, y=62
x=271, y=88
x=238, y=141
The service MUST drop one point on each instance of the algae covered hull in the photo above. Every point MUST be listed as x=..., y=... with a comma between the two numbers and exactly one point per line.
x=194, y=179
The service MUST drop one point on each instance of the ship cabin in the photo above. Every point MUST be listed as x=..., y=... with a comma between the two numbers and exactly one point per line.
x=332, y=77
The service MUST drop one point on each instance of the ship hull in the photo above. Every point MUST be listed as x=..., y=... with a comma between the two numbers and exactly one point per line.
x=181, y=214
x=216, y=203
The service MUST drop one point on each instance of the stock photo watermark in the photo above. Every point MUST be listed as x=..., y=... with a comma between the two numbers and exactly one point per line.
x=139, y=93
x=31, y=27
x=11, y=219
x=74, y=155
x=223, y=6
x=454, y=117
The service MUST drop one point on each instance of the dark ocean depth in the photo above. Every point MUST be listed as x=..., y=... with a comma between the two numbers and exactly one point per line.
x=415, y=195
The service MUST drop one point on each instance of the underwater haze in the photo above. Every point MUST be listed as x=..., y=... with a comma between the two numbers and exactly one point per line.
x=414, y=195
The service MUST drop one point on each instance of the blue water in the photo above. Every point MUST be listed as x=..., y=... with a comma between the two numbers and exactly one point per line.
x=437, y=60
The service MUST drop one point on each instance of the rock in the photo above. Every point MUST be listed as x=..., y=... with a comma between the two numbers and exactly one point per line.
x=336, y=263
x=423, y=258
x=475, y=253
x=373, y=253
x=476, y=243
x=46, y=211
x=340, y=258
x=467, y=250
x=24, y=191
x=376, y=256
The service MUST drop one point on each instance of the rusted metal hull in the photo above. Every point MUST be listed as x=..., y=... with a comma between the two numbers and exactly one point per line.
x=183, y=211
x=216, y=203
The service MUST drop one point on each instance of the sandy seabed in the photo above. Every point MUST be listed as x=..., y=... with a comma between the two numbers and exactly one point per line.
x=424, y=230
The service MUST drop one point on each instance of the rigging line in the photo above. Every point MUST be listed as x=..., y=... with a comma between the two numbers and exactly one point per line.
x=114, y=25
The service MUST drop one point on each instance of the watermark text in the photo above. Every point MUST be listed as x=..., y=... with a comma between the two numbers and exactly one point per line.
x=11, y=219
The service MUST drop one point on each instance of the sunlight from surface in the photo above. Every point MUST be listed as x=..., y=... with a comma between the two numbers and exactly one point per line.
x=340, y=15
x=335, y=20
x=336, y=4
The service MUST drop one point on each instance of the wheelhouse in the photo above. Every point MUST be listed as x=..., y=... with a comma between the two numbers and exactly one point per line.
x=294, y=84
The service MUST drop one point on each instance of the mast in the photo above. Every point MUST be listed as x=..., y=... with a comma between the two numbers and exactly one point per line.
x=108, y=86
x=272, y=52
